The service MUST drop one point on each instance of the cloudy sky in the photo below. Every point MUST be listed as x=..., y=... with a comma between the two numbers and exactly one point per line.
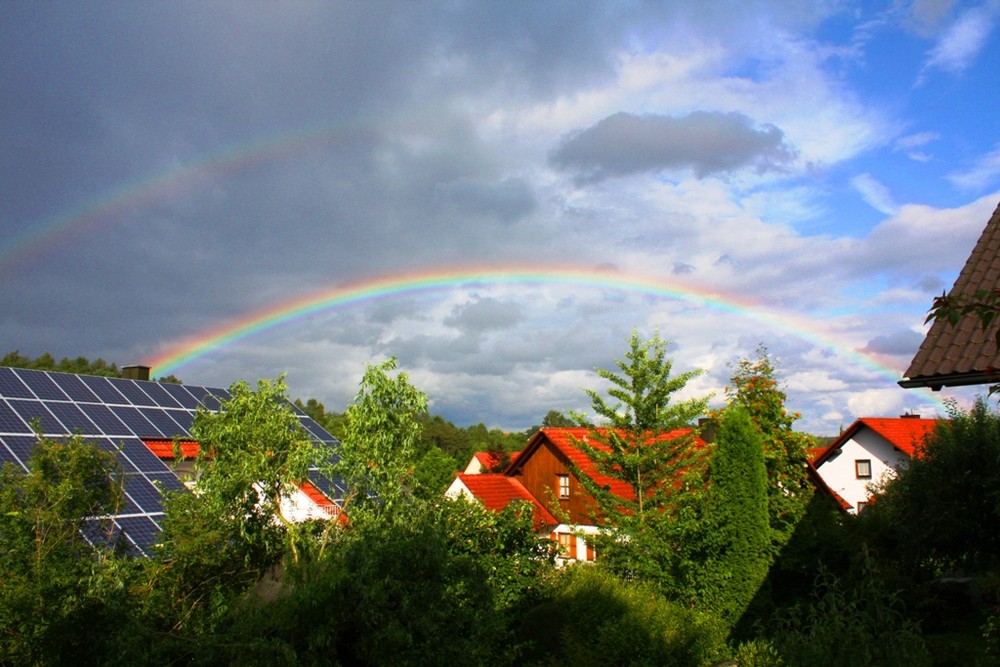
x=805, y=175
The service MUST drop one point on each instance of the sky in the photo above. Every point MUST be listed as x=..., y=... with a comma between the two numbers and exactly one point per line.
x=496, y=194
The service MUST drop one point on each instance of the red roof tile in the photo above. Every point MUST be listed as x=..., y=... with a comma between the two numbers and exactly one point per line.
x=496, y=491
x=164, y=449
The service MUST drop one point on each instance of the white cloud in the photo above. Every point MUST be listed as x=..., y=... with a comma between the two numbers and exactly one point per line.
x=983, y=174
x=875, y=194
x=960, y=43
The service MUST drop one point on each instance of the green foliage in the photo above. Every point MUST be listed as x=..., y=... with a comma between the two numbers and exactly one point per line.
x=664, y=472
x=53, y=580
x=755, y=387
x=378, y=455
x=438, y=586
x=434, y=472
x=860, y=623
x=46, y=362
x=942, y=513
x=253, y=451
x=594, y=618
x=735, y=561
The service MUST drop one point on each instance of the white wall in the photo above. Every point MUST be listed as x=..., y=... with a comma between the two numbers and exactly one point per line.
x=839, y=472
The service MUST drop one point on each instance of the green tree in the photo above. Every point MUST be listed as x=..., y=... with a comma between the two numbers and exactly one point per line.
x=942, y=512
x=434, y=472
x=377, y=459
x=737, y=534
x=754, y=386
x=253, y=452
x=56, y=551
x=639, y=444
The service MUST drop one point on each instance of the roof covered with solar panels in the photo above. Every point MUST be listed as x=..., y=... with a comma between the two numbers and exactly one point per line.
x=119, y=415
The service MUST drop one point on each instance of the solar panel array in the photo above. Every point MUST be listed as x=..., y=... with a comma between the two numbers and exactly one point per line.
x=117, y=414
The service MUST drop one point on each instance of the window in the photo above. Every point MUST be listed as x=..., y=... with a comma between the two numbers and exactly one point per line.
x=863, y=468
x=563, y=486
x=861, y=506
x=565, y=541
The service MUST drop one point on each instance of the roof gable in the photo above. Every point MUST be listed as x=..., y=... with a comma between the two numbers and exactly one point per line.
x=565, y=441
x=904, y=433
x=495, y=491
x=963, y=354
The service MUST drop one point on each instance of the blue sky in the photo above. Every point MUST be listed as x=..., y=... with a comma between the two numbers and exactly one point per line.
x=169, y=168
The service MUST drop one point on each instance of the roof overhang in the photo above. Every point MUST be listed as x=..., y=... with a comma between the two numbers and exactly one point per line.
x=936, y=382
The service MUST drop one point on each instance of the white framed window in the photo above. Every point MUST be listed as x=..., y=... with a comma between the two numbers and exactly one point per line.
x=563, y=485
x=863, y=468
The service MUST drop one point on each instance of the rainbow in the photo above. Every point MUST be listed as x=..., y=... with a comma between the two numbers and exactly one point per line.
x=164, y=184
x=346, y=295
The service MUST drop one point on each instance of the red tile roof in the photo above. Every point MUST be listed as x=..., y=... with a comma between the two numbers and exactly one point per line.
x=904, y=433
x=963, y=354
x=567, y=440
x=164, y=449
x=496, y=491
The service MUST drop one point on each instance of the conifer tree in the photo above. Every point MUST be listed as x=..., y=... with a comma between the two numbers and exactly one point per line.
x=640, y=439
x=755, y=387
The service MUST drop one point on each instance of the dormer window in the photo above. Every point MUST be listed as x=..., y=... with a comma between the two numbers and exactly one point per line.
x=563, y=486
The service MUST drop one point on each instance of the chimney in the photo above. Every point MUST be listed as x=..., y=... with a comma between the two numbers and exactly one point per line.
x=135, y=372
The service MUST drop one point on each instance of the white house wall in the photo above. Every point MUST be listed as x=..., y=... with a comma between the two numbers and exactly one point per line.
x=839, y=472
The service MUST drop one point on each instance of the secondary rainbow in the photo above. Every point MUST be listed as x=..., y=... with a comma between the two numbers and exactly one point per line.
x=345, y=295
x=161, y=185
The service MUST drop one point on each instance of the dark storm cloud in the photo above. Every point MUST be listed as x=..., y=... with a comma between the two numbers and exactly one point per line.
x=487, y=314
x=508, y=200
x=705, y=142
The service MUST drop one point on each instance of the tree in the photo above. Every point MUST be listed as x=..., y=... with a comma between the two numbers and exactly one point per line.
x=737, y=528
x=942, y=512
x=755, y=387
x=253, y=452
x=56, y=545
x=638, y=442
x=377, y=458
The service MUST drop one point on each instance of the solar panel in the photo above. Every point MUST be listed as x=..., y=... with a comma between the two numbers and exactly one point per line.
x=11, y=385
x=104, y=390
x=72, y=417
x=9, y=421
x=181, y=395
x=74, y=387
x=42, y=386
x=160, y=396
x=161, y=420
x=115, y=414
x=132, y=391
x=138, y=424
x=34, y=412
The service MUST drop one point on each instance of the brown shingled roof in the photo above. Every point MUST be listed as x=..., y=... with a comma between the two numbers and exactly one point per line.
x=963, y=354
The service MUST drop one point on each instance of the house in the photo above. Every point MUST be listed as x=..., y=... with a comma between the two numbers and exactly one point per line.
x=544, y=474
x=964, y=353
x=138, y=420
x=870, y=450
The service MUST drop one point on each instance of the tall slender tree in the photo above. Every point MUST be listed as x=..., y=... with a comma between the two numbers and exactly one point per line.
x=755, y=387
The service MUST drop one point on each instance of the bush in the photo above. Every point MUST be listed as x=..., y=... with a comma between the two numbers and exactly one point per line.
x=593, y=618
